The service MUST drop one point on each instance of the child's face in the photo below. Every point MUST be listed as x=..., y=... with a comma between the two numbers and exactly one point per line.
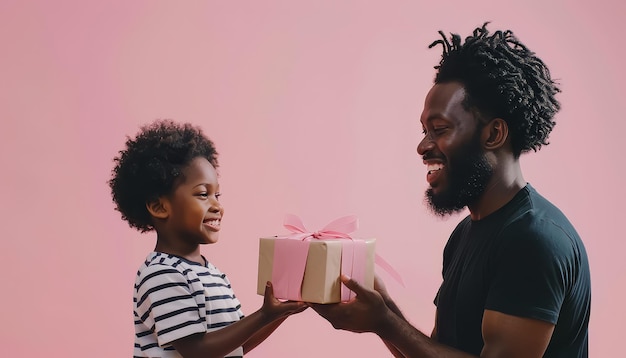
x=195, y=213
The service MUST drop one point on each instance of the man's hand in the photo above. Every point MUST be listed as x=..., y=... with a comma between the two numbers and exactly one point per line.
x=364, y=313
x=379, y=285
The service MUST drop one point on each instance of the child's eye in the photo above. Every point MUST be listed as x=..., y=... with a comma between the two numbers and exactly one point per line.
x=217, y=195
x=440, y=130
x=203, y=194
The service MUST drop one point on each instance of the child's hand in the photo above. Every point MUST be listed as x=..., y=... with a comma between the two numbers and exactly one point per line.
x=275, y=309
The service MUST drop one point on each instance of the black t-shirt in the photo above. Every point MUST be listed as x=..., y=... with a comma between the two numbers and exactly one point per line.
x=526, y=260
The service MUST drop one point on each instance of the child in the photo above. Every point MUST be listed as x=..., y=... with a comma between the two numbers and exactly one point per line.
x=166, y=180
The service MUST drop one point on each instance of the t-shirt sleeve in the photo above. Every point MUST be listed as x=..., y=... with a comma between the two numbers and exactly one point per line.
x=531, y=270
x=165, y=303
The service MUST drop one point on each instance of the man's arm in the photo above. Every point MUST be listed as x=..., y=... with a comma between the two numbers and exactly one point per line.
x=504, y=335
x=379, y=286
x=512, y=336
x=256, y=327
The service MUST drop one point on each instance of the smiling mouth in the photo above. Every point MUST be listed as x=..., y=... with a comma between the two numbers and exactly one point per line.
x=432, y=168
x=213, y=224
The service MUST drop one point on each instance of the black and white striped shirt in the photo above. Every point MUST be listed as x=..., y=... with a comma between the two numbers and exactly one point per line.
x=175, y=298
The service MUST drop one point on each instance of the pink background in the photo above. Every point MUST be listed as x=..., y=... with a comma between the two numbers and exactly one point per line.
x=314, y=108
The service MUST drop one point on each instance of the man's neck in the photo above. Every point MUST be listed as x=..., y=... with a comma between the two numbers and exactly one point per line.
x=501, y=189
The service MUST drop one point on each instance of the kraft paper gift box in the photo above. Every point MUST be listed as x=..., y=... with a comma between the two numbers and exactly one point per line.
x=306, y=266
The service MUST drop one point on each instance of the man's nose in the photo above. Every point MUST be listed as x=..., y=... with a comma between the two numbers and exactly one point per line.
x=425, y=145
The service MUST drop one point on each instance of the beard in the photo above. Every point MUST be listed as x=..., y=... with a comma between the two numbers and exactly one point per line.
x=468, y=175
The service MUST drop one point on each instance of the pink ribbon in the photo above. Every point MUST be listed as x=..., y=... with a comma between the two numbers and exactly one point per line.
x=290, y=255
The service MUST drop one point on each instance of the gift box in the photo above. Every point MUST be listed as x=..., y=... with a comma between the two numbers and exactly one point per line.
x=306, y=266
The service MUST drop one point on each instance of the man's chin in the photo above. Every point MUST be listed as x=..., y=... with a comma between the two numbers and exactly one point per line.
x=442, y=205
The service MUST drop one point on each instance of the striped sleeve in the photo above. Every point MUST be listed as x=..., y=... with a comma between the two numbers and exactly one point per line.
x=166, y=304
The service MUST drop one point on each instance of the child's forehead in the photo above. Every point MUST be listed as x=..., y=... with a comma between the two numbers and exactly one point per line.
x=200, y=170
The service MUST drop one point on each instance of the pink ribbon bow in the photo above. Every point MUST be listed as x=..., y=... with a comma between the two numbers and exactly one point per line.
x=337, y=229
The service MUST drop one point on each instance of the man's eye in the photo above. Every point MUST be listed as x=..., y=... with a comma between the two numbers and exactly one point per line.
x=440, y=130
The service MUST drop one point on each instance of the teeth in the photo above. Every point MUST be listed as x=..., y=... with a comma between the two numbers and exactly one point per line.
x=214, y=223
x=434, y=167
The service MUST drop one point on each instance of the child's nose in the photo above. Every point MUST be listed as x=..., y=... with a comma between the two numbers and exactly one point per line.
x=216, y=206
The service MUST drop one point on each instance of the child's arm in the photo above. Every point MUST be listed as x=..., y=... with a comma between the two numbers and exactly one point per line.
x=261, y=335
x=254, y=328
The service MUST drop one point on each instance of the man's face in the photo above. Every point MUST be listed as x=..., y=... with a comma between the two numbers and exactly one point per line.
x=458, y=171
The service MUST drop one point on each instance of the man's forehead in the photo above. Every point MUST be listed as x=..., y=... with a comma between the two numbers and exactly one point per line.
x=446, y=92
x=442, y=99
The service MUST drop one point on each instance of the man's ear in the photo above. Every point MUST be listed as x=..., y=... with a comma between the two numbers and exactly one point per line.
x=495, y=133
x=158, y=208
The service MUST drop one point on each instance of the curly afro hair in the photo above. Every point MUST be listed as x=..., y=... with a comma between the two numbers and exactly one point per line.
x=151, y=163
x=502, y=79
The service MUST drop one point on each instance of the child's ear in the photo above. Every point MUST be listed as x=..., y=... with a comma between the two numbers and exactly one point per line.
x=158, y=208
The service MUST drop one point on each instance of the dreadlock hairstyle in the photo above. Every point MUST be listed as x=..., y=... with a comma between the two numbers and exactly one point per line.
x=502, y=79
x=151, y=164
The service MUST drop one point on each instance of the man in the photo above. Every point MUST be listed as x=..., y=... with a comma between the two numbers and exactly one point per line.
x=515, y=273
